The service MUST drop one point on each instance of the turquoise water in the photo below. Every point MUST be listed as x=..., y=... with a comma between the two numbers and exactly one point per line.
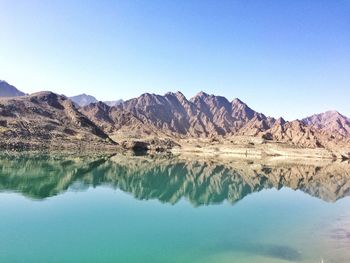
x=164, y=209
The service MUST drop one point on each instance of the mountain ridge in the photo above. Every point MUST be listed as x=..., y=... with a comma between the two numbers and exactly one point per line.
x=8, y=90
x=208, y=116
x=173, y=116
x=45, y=119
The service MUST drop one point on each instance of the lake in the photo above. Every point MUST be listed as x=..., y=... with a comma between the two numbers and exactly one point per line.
x=125, y=208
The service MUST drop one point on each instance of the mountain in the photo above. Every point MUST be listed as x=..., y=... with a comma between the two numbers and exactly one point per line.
x=169, y=119
x=296, y=133
x=118, y=123
x=329, y=122
x=112, y=103
x=7, y=90
x=45, y=120
x=209, y=116
x=202, y=116
x=83, y=99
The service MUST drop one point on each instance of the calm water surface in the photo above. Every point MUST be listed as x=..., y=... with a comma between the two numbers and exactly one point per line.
x=155, y=209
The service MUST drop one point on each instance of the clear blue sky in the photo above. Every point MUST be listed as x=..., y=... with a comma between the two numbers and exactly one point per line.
x=283, y=58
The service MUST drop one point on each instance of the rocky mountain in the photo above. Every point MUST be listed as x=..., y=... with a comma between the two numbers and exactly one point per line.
x=45, y=120
x=329, y=122
x=112, y=103
x=7, y=90
x=210, y=116
x=169, y=117
x=202, y=116
x=83, y=99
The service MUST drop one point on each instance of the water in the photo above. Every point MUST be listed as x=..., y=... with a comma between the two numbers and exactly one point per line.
x=163, y=209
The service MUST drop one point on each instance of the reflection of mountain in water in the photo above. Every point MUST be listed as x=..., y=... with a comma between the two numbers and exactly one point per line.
x=169, y=179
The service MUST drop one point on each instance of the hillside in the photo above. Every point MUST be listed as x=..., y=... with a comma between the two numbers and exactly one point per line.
x=46, y=120
x=152, y=121
x=209, y=117
x=7, y=90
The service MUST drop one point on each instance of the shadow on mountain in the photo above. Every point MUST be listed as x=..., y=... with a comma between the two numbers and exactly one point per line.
x=168, y=179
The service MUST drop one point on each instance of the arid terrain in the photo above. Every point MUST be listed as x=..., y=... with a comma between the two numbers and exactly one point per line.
x=205, y=124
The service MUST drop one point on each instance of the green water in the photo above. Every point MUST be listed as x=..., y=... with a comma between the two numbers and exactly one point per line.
x=164, y=209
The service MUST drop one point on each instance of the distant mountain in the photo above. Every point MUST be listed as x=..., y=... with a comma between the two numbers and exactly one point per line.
x=330, y=122
x=112, y=103
x=83, y=99
x=7, y=90
x=44, y=120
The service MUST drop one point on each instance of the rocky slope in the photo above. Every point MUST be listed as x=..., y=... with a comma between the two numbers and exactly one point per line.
x=209, y=116
x=46, y=120
x=159, y=119
x=331, y=122
x=173, y=115
x=7, y=90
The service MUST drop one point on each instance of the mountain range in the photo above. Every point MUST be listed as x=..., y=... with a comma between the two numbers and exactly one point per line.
x=209, y=116
x=84, y=99
x=172, y=116
x=45, y=118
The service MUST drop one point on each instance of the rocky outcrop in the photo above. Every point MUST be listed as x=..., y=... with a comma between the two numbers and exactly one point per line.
x=152, y=145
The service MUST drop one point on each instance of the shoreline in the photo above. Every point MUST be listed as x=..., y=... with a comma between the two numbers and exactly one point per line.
x=212, y=151
x=240, y=148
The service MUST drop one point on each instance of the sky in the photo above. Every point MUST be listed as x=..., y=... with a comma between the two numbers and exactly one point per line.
x=286, y=58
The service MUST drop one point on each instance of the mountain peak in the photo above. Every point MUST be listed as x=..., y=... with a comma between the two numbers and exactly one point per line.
x=280, y=121
x=173, y=93
x=332, y=113
x=83, y=99
x=327, y=116
x=179, y=93
x=7, y=90
x=238, y=101
x=45, y=93
x=330, y=121
x=202, y=94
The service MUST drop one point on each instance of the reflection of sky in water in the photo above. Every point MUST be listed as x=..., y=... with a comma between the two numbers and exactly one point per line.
x=265, y=225
x=100, y=220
